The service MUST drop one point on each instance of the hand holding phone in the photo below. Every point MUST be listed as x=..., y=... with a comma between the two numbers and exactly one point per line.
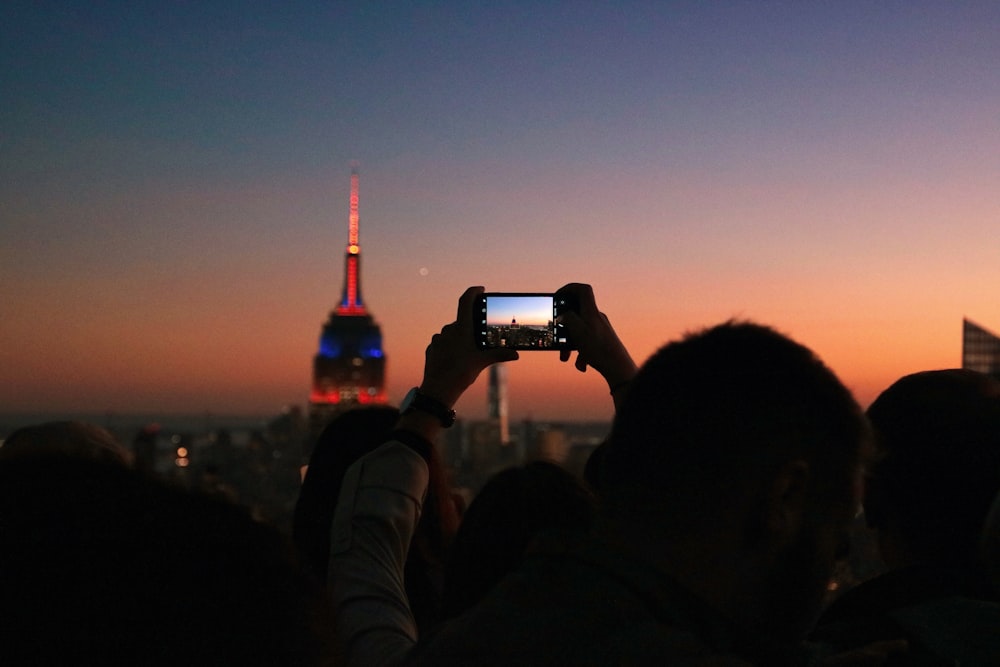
x=595, y=339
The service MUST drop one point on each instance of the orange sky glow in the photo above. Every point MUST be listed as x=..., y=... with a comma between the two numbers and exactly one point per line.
x=173, y=235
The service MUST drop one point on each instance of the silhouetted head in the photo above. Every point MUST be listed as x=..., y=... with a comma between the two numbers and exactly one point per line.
x=508, y=513
x=938, y=465
x=720, y=409
x=66, y=438
x=343, y=441
x=740, y=433
x=103, y=565
x=347, y=438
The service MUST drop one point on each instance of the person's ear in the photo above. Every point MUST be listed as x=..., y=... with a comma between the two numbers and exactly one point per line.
x=786, y=500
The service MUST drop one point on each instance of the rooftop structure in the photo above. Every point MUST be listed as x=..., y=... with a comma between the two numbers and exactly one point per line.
x=980, y=349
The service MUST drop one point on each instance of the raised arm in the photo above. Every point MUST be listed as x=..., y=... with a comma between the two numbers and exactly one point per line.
x=382, y=499
x=376, y=516
x=452, y=363
x=597, y=343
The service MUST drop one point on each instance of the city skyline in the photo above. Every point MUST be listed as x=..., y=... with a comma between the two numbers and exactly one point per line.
x=174, y=206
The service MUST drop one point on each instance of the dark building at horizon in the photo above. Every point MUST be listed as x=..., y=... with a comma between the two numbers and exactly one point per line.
x=349, y=368
x=980, y=349
x=521, y=335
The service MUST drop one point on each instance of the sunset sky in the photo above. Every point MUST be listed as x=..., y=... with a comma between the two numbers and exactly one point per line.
x=174, y=181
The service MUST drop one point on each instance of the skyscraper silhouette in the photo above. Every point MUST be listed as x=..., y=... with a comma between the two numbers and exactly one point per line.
x=349, y=368
x=980, y=349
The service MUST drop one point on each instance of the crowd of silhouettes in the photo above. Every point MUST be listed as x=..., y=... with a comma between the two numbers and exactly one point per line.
x=705, y=530
x=718, y=508
x=101, y=564
x=928, y=495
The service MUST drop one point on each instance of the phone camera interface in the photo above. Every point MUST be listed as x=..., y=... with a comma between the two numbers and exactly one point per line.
x=520, y=322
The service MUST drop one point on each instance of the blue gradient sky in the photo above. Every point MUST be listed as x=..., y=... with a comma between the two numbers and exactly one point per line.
x=174, y=185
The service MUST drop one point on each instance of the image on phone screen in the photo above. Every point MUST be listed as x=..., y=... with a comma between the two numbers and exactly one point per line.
x=519, y=322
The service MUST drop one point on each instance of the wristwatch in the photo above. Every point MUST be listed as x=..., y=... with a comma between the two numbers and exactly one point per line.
x=416, y=401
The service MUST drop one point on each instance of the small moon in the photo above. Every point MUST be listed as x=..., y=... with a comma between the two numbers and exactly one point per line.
x=423, y=271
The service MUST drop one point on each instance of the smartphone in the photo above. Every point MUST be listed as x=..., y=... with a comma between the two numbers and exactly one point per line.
x=521, y=320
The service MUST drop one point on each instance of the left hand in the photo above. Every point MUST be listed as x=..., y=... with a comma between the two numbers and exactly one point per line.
x=453, y=361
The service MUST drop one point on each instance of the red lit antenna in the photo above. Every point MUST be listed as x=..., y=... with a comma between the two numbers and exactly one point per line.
x=352, y=239
x=350, y=302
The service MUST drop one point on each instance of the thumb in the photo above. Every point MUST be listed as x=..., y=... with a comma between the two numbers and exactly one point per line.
x=501, y=354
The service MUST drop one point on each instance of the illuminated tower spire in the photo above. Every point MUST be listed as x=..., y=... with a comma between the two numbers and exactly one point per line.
x=350, y=302
x=349, y=369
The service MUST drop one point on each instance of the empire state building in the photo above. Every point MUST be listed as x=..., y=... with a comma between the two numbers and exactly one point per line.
x=349, y=368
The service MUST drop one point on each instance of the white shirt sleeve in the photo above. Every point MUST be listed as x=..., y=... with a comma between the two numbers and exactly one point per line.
x=377, y=513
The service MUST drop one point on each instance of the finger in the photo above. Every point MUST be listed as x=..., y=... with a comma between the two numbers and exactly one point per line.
x=574, y=289
x=466, y=301
x=564, y=355
x=439, y=339
x=583, y=294
x=581, y=364
x=502, y=354
x=573, y=323
x=436, y=340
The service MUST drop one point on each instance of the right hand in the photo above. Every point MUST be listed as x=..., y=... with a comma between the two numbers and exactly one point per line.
x=597, y=343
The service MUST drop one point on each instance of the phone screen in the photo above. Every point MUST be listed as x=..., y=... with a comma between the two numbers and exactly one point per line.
x=523, y=321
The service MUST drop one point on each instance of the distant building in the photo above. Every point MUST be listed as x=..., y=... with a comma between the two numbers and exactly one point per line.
x=497, y=402
x=980, y=349
x=550, y=444
x=349, y=369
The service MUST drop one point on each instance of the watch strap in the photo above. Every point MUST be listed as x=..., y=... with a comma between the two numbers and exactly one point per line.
x=416, y=400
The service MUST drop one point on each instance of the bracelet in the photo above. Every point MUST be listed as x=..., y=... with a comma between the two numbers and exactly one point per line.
x=618, y=386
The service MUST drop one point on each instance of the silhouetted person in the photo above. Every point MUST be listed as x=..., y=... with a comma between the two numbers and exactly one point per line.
x=927, y=496
x=66, y=438
x=343, y=441
x=102, y=565
x=989, y=545
x=383, y=494
x=515, y=507
x=729, y=481
x=727, y=487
